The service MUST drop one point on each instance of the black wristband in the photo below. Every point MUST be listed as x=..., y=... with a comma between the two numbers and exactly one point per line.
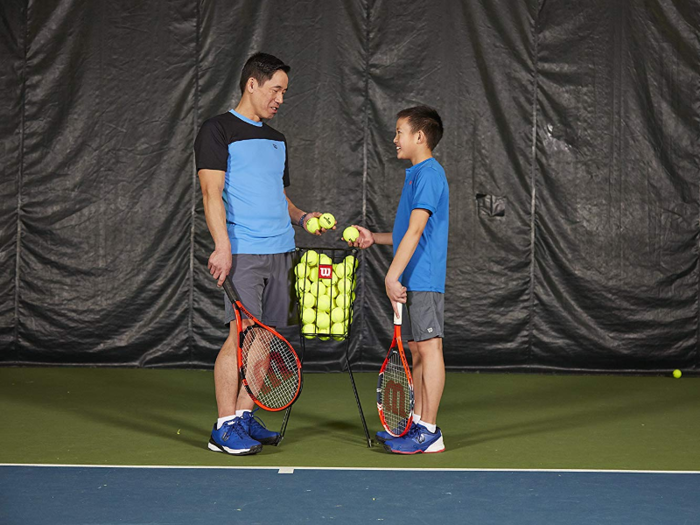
x=301, y=220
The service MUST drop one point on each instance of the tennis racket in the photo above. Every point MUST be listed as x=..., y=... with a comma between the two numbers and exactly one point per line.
x=268, y=366
x=395, y=386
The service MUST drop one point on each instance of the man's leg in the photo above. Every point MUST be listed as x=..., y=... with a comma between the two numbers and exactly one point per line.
x=226, y=381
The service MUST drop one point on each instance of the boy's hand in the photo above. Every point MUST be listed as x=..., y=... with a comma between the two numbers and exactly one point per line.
x=365, y=240
x=396, y=293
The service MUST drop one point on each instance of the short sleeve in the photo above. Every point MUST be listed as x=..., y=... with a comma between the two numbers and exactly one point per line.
x=428, y=190
x=211, y=148
x=285, y=176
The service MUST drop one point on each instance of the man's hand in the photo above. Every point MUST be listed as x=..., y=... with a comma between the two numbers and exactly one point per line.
x=220, y=265
x=396, y=292
x=365, y=240
x=309, y=216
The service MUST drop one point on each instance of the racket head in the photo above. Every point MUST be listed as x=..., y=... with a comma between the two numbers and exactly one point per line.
x=395, y=399
x=268, y=366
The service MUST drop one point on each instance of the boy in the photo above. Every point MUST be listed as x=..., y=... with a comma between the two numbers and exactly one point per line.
x=243, y=172
x=416, y=276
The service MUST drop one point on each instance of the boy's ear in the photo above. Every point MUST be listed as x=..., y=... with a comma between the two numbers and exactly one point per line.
x=420, y=137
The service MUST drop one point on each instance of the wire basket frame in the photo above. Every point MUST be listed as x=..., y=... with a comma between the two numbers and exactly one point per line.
x=325, y=284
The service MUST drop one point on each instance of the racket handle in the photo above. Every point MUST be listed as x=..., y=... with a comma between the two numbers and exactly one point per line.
x=398, y=318
x=230, y=290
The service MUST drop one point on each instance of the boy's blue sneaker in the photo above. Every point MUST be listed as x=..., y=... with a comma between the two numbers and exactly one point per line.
x=231, y=438
x=383, y=436
x=256, y=429
x=418, y=440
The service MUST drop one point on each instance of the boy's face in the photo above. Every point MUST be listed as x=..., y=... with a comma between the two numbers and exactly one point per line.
x=406, y=141
x=268, y=97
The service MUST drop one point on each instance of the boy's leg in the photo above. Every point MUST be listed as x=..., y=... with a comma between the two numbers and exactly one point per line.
x=417, y=374
x=432, y=378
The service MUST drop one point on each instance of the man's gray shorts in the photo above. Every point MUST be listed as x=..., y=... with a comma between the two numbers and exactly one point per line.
x=426, y=316
x=264, y=284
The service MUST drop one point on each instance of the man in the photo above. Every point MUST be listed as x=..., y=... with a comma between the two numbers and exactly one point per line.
x=243, y=172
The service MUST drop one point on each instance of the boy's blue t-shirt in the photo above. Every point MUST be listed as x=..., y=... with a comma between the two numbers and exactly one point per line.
x=425, y=187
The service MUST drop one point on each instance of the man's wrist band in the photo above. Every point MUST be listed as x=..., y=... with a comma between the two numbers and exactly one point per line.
x=301, y=220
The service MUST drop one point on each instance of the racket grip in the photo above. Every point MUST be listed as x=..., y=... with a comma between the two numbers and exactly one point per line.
x=398, y=318
x=230, y=291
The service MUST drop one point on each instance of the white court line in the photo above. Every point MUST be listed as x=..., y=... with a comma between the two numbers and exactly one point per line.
x=286, y=470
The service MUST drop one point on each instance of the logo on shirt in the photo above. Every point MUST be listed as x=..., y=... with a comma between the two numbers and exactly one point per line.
x=274, y=146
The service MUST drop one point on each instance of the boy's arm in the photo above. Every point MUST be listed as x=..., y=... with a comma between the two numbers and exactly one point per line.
x=367, y=238
x=212, y=183
x=407, y=247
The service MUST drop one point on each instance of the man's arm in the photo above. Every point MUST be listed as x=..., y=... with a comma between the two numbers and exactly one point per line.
x=212, y=183
x=295, y=214
x=407, y=247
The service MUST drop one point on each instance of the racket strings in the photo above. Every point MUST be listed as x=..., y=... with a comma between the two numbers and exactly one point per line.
x=397, y=399
x=270, y=367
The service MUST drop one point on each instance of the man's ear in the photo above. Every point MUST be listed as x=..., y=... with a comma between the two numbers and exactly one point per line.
x=251, y=85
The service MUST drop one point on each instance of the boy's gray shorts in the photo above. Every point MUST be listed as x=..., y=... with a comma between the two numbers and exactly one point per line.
x=265, y=286
x=424, y=317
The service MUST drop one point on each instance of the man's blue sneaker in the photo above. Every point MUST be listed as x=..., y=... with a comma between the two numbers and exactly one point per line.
x=256, y=429
x=231, y=438
x=383, y=436
x=418, y=440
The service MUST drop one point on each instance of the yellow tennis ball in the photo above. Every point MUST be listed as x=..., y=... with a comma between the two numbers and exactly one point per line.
x=308, y=300
x=324, y=259
x=323, y=320
x=338, y=331
x=351, y=234
x=318, y=289
x=310, y=258
x=313, y=275
x=344, y=300
x=308, y=330
x=677, y=374
x=351, y=262
x=326, y=221
x=339, y=270
x=326, y=330
x=338, y=315
x=308, y=316
x=332, y=291
x=324, y=303
x=312, y=225
x=301, y=270
x=344, y=285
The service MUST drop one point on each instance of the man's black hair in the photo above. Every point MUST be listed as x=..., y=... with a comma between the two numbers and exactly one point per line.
x=261, y=67
x=425, y=119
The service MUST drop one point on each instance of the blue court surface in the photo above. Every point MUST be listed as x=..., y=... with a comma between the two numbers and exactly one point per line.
x=175, y=495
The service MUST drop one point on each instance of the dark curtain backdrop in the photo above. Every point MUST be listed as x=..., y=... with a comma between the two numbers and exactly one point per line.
x=571, y=149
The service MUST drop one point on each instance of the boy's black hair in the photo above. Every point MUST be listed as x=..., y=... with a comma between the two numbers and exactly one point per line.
x=425, y=119
x=261, y=67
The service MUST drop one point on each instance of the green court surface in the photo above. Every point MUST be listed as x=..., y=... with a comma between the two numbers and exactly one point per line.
x=510, y=421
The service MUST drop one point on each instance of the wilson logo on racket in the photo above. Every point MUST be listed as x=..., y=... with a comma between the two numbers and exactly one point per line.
x=395, y=399
x=325, y=271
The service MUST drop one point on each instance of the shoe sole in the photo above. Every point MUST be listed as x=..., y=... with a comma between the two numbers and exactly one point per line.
x=439, y=445
x=234, y=452
x=270, y=441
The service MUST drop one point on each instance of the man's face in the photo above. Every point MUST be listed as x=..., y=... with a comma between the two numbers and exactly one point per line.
x=405, y=140
x=268, y=97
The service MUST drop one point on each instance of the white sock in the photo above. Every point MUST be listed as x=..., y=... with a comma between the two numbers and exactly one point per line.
x=239, y=413
x=431, y=428
x=220, y=422
x=416, y=419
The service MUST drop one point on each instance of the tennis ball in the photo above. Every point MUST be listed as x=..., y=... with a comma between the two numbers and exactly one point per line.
x=338, y=315
x=324, y=303
x=308, y=330
x=324, y=259
x=308, y=300
x=310, y=258
x=344, y=300
x=313, y=275
x=308, y=316
x=312, y=225
x=318, y=289
x=351, y=234
x=326, y=221
x=325, y=330
x=339, y=270
x=351, y=261
x=338, y=331
x=323, y=320
x=301, y=270
x=344, y=285
x=677, y=374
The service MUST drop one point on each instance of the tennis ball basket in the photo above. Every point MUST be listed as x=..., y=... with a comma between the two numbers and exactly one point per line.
x=325, y=283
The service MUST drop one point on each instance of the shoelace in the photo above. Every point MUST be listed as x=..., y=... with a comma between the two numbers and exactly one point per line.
x=233, y=426
x=255, y=420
